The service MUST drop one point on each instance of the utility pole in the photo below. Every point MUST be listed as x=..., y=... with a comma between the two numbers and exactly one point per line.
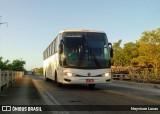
x=4, y=22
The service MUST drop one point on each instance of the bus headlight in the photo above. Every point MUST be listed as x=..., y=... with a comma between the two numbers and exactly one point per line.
x=68, y=74
x=107, y=74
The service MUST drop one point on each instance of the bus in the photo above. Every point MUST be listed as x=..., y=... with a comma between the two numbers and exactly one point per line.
x=78, y=57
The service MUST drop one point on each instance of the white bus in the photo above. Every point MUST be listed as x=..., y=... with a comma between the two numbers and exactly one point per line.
x=78, y=57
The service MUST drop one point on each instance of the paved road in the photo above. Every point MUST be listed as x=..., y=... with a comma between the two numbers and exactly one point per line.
x=33, y=90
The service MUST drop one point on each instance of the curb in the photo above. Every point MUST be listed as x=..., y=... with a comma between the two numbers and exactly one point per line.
x=140, y=85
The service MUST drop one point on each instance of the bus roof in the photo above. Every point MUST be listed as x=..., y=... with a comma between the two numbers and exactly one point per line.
x=80, y=30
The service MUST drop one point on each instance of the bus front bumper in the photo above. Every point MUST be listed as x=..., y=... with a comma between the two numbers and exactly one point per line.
x=86, y=80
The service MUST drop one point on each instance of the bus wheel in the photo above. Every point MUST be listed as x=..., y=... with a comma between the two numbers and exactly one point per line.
x=56, y=81
x=46, y=77
x=91, y=86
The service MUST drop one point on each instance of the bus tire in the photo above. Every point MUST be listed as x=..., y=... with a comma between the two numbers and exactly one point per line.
x=46, y=77
x=91, y=86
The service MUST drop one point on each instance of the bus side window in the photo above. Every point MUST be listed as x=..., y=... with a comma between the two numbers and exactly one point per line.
x=55, y=44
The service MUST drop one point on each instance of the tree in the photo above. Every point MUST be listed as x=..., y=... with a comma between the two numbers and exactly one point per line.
x=130, y=51
x=3, y=64
x=18, y=65
x=38, y=70
x=118, y=55
x=149, y=49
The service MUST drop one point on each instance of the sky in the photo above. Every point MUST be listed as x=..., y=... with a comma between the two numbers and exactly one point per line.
x=33, y=24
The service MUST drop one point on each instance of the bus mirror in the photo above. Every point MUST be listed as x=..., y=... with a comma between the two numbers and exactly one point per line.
x=60, y=50
x=111, y=52
x=111, y=49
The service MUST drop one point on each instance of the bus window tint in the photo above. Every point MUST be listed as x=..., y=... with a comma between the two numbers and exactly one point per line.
x=71, y=50
x=86, y=50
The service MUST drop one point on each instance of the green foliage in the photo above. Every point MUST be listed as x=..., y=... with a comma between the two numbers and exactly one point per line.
x=16, y=65
x=145, y=52
x=3, y=64
x=118, y=55
x=130, y=51
x=150, y=48
x=38, y=70
x=123, y=56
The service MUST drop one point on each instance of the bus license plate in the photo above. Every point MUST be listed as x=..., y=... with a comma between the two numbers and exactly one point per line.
x=89, y=80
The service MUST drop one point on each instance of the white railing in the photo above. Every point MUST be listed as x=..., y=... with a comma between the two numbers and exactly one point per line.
x=8, y=77
x=150, y=78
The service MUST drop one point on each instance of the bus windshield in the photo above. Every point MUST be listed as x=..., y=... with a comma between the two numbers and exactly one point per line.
x=86, y=51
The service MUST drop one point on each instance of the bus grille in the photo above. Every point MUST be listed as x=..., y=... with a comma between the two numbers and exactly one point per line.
x=88, y=76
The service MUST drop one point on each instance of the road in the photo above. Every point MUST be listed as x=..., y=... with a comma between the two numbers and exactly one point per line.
x=34, y=90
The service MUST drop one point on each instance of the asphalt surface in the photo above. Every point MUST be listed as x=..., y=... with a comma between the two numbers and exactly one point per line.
x=34, y=90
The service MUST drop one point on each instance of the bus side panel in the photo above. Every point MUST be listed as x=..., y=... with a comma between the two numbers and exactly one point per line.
x=58, y=67
x=47, y=67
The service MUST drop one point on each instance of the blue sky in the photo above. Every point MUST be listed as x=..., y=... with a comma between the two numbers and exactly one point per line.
x=32, y=24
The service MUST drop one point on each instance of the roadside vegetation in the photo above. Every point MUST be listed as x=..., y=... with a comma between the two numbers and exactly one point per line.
x=15, y=65
x=38, y=70
x=143, y=56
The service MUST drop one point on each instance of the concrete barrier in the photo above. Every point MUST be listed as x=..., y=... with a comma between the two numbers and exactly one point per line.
x=7, y=78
